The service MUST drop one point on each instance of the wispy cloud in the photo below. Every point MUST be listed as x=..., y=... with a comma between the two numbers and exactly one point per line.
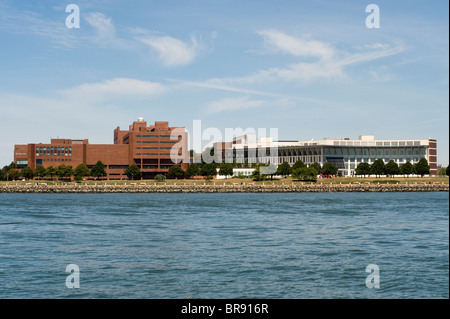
x=117, y=88
x=99, y=30
x=103, y=26
x=318, y=61
x=276, y=41
x=31, y=23
x=232, y=104
x=173, y=52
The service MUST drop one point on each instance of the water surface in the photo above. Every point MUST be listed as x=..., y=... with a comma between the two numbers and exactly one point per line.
x=286, y=245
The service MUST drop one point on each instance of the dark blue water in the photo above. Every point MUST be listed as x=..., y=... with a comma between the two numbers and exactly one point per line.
x=225, y=245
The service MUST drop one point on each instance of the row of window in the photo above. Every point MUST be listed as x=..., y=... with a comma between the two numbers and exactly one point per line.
x=153, y=136
x=156, y=154
x=156, y=142
x=53, y=149
x=153, y=148
x=385, y=143
x=379, y=152
x=57, y=160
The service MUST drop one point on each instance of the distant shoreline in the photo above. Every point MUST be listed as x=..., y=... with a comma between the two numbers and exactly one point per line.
x=237, y=188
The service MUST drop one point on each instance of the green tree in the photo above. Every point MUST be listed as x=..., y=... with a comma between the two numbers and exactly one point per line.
x=269, y=169
x=406, y=169
x=98, y=170
x=27, y=173
x=210, y=155
x=305, y=173
x=447, y=170
x=175, y=171
x=40, y=172
x=51, y=171
x=363, y=168
x=196, y=158
x=316, y=166
x=284, y=169
x=298, y=164
x=6, y=168
x=392, y=168
x=257, y=175
x=64, y=172
x=13, y=174
x=421, y=167
x=208, y=170
x=2, y=175
x=226, y=170
x=81, y=171
x=329, y=169
x=192, y=170
x=442, y=171
x=378, y=168
x=133, y=172
x=160, y=178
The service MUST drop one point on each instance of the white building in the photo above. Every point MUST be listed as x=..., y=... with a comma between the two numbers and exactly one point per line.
x=344, y=153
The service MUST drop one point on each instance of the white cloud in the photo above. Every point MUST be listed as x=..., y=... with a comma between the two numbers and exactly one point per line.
x=232, y=104
x=329, y=63
x=302, y=47
x=117, y=88
x=103, y=26
x=27, y=23
x=173, y=52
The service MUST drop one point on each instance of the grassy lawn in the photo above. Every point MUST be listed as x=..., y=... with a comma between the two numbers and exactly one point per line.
x=236, y=181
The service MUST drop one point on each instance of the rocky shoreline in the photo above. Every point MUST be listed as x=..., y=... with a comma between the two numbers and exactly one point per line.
x=238, y=188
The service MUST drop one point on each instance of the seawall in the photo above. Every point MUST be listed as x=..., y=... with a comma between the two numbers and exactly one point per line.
x=208, y=188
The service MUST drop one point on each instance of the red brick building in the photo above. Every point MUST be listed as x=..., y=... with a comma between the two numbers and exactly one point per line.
x=154, y=149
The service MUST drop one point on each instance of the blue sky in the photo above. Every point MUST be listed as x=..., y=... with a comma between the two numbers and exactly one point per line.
x=312, y=69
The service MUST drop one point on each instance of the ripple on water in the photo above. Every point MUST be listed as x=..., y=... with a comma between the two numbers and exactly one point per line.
x=224, y=245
